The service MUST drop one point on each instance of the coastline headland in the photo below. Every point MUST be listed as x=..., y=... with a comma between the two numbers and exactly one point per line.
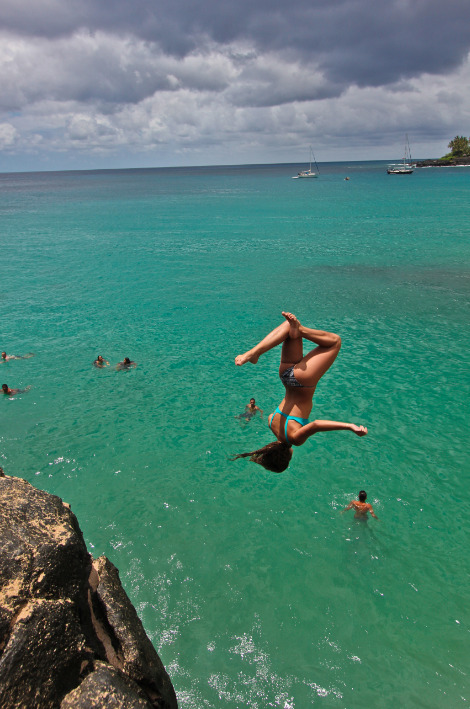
x=445, y=162
x=69, y=636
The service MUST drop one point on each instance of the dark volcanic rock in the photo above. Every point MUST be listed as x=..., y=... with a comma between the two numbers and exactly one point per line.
x=131, y=645
x=454, y=162
x=43, y=554
x=44, y=654
x=69, y=636
x=106, y=687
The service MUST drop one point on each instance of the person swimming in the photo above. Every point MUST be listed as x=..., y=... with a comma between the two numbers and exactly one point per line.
x=100, y=362
x=300, y=375
x=361, y=507
x=11, y=392
x=250, y=411
x=126, y=364
x=7, y=358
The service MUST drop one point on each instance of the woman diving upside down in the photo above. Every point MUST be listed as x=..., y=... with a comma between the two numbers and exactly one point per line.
x=300, y=375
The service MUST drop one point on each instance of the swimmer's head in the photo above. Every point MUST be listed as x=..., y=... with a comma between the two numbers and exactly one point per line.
x=252, y=401
x=275, y=457
x=127, y=360
x=362, y=496
x=4, y=355
x=99, y=358
x=5, y=388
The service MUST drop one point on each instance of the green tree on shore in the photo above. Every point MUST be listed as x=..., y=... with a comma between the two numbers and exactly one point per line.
x=459, y=146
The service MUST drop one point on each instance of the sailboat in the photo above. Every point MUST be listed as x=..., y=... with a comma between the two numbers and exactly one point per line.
x=405, y=168
x=309, y=172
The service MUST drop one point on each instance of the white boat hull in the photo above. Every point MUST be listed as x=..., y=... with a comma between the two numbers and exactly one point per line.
x=400, y=171
x=303, y=175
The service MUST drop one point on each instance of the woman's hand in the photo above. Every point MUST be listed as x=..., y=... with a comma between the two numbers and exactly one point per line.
x=359, y=430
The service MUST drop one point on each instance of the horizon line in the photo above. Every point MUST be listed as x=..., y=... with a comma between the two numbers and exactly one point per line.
x=199, y=167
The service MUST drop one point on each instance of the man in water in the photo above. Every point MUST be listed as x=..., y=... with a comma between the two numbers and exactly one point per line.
x=250, y=411
x=361, y=507
x=100, y=362
x=126, y=364
x=11, y=392
x=6, y=357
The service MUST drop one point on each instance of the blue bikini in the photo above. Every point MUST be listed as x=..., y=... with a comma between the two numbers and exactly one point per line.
x=303, y=422
x=289, y=379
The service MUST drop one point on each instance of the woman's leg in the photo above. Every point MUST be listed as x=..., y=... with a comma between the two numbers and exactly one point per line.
x=309, y=368
x=275, y=337
x=292, y=347
x=313, y=366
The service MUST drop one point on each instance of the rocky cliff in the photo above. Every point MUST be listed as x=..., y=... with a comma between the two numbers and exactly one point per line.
x=69, y=636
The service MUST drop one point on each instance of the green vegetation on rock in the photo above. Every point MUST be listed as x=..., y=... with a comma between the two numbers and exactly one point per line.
x=459, y=146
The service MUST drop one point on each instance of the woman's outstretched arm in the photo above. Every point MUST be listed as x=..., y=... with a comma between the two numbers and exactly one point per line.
x=309, y=429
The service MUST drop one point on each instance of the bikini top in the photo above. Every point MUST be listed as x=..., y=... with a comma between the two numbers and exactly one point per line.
x=303, y=422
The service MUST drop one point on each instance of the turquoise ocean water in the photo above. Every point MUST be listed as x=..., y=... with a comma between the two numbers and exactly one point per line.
x=255, y=590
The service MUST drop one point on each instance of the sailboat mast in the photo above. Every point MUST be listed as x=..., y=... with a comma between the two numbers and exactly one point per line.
x=314, y=160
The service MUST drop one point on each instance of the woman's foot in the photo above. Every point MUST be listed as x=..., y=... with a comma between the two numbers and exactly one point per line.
x=249, y=356
x=294, y=331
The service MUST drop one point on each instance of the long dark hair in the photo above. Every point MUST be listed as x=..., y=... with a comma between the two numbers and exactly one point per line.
x=274, y=457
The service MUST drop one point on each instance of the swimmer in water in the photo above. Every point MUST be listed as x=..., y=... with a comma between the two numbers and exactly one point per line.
x=361, y=508
x=7, y=358
x=100, y=362
x=126, y=364
x=250, y=411
x=300, y=375
x=11, y=392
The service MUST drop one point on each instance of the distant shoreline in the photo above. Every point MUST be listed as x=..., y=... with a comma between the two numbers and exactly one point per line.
x=454, y=162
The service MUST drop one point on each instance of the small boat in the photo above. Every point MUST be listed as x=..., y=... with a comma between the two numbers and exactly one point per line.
x=309, y=172
x=404, y=168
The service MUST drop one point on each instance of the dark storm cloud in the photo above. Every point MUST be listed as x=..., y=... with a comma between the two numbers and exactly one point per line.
x=367, y=42
x=202, y=82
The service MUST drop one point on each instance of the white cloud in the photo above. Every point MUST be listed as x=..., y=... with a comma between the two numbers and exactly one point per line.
x=117, y=94
x=8, y=135
x=101, y=68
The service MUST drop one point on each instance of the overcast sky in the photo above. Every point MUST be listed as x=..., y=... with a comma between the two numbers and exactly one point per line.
x=141, y=83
